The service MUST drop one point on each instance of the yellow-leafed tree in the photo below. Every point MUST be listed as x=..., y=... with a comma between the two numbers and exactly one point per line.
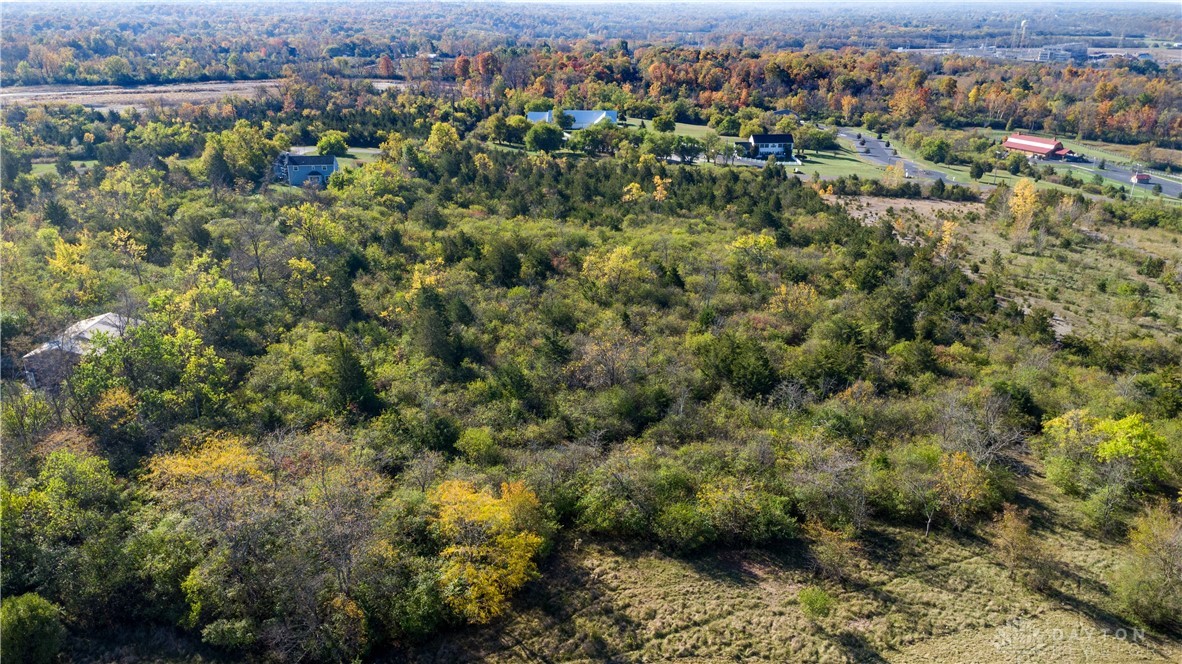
x=1023, y=203
x=489, y=545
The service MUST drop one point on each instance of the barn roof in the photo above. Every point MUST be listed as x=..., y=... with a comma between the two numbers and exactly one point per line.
x=1034, y=144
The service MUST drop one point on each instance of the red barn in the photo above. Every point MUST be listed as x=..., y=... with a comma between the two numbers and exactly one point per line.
x=1046, y=148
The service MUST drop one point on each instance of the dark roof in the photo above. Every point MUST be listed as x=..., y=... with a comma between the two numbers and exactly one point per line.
x=772, y=138
x=309, y=159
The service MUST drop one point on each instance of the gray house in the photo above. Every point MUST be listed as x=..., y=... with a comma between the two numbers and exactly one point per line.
x=298, y=169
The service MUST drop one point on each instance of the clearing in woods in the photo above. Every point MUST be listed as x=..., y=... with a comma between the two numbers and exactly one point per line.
x=940, y=598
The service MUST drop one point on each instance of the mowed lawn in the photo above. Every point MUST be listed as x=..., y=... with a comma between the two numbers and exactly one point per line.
x=1095, y=151
x=828, y=165
x=50, y=167
x=355, y=156
x=1113, y=152
x=831, y=165
x=1082, y=171
x=692, y=130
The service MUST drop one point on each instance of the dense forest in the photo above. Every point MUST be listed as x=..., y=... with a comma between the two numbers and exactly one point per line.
x=1121, y=102
x=347, y=422
x=149, y=43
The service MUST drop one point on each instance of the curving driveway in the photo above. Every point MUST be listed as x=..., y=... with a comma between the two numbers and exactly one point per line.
x=877, y=152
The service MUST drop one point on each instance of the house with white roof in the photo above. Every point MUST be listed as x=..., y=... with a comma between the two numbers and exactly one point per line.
x=582, y=118
x=49, y=363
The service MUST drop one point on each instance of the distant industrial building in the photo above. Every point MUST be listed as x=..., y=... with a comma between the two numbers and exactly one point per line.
x=1063, y=53
x=1045, y=148
x=582, y=118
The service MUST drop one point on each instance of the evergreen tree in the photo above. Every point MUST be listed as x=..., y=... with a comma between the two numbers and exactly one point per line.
x=432, y=328
x=351, y=388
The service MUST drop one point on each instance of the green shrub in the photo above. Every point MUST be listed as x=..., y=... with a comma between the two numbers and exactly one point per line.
x=1104, y=510
x=815, y=602
x=32, y=629
x=230, y=634
x=739, y=513
x=1064, y=474
x=684, y=527
x=740, y=361
x=1149, y=586
x=478, y=446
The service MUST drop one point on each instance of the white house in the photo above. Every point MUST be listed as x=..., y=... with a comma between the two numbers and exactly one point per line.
x=767, y=145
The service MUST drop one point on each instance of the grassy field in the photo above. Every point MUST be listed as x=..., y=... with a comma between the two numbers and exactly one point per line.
x=1114, y=152
x=50, y=167
x=845, y=162
x=962, y=176
x=828, y=165
x=682, y=129
x=1092, y=285
x=940, y=598
x=355, y=156
x=1095, y=150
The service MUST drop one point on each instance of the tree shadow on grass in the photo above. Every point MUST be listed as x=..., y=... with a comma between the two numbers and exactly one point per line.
x=857, y=648
x=1107, y=622
x=746, y=567
x=882, y=546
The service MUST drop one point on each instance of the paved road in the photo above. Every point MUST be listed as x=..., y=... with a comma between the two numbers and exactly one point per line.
x=877, y=152
x=1123, y=174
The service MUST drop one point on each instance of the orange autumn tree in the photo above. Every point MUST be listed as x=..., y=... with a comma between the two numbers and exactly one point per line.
x=489, y=545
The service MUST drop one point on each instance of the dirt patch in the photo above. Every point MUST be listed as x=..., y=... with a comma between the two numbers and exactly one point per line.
x=870, y=209
x=144, y=96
